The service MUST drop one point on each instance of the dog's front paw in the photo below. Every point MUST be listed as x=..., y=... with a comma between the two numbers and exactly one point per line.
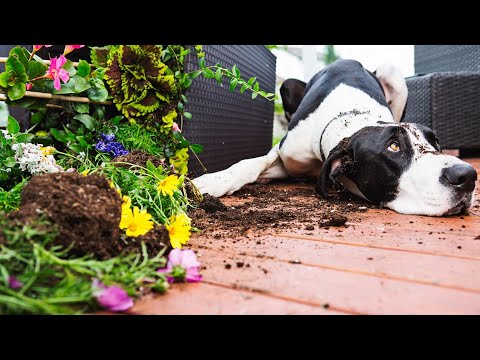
x=213, y=184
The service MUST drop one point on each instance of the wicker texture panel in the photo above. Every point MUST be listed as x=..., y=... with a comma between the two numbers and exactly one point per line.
x=449, y=104
x=231, y=126
x=446, y=58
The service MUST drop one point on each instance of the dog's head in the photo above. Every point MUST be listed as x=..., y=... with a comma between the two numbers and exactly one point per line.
x=401, y=167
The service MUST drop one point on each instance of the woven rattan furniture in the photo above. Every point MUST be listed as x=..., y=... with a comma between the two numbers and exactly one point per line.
x=449, y=104
x=446, y=58
x=231, y=126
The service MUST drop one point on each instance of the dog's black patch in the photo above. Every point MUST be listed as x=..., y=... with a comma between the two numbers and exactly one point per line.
x=366, y=161
x=348, y=72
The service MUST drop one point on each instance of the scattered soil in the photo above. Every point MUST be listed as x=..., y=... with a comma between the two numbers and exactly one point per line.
x=86, y=211
x=264, y=207
x=137, y=157
x=212, y=204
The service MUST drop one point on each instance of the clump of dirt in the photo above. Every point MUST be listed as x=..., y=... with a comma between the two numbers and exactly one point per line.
x=334, y=220
x=155, y=240
x=212, y=204
x=285, y=204
x=137, y=157
x=86, y=211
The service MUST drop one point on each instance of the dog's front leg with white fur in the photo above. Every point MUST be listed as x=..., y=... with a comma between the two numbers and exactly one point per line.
x=247, y=171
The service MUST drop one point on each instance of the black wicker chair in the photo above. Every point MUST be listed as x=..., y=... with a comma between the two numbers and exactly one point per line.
x=231, y=126
x=445, y=93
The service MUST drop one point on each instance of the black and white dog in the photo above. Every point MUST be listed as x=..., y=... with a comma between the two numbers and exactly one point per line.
x=345, y=128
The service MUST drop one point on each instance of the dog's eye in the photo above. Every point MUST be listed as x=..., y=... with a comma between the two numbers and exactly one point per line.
x=394, y=147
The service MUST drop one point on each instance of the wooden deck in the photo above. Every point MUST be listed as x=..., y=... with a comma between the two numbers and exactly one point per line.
x=382, y=263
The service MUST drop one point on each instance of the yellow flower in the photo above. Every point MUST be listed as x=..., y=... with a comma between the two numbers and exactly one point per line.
x=127, y=202
x=137, y=222
x=85, y=172
x=47, y=150
x=179, y=230
x=168, y=185
x=180, y=161
x=41, y=134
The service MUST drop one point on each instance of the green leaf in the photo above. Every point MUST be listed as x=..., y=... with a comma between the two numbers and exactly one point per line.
x=25, y=138
x=4, y=78
x=185, y=52
x=236, y=71
x=80, y=84
x=251, y=81
x=243, y=88
x=116, y=120
x=208, y=73
x=36, y=117
x=59, y=135
x=68, y=88
x=77, y=148
x=99, y=56
x=233, y=84
x=16, y=66
x=17, y=91
x=97, y=91
x=70, y=68
x=219, y=75
x=83, y=68
x=99, y=112
x=82, y=141
x=196, y=148
x=256, y=86
x=36, y=69
x=254, y=95
x=187, y=83
x=180, y=107
x=201, y=62
x=195, y=74
x=184, y=98
x=270, y=95
x=9, y=162
x=89, y=121
x=81, y=108
x=151, y=167
x=187, y=115
x=13, y=126
x=19, y=53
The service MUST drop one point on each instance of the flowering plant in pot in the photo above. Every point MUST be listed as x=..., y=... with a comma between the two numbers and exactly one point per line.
x=96, y=188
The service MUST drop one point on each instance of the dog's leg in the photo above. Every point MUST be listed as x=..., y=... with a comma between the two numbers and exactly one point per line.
x=247, y=171
x=395, y=89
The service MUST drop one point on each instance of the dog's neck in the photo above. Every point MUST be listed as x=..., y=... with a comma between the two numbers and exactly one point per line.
x=345, y=124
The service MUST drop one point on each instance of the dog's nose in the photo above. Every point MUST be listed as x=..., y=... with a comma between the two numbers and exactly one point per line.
x=461, y=176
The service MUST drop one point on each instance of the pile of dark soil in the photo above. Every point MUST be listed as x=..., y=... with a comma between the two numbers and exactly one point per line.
x=86, y=211
x=137, y=157
x=285, y=204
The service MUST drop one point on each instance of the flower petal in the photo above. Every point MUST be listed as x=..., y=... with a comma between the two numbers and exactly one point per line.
x=114, y=298
x=175, y=257
x=189, y=259
x=60, y=62
x=64, y=75
x=56, y=83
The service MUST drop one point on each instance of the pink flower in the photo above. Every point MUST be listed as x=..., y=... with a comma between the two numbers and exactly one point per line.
x=14, y=283
x=70, y=48
x=182, y=265
x=38, y=47
x=29, y=86
x=112, y=298
x=56, y=72
x=175, y=127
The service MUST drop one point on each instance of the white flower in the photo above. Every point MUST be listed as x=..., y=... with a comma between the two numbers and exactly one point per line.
x=6, y=134
x=34, y=159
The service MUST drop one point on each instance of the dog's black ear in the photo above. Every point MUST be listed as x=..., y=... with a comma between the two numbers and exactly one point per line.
x=338, y=161
x=292, y=92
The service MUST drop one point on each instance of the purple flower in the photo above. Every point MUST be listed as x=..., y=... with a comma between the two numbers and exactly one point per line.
x=109, y=145
x=112, y=298
x=182, y=266
x=14, y=283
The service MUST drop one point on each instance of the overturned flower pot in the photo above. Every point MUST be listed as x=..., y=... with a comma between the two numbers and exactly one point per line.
x=86, y=212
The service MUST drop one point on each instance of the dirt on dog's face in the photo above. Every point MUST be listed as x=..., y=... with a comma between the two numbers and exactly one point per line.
x=401, y=167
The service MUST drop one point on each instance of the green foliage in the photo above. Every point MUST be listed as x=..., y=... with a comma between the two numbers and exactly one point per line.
x=330, y=56
x=56, y=283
